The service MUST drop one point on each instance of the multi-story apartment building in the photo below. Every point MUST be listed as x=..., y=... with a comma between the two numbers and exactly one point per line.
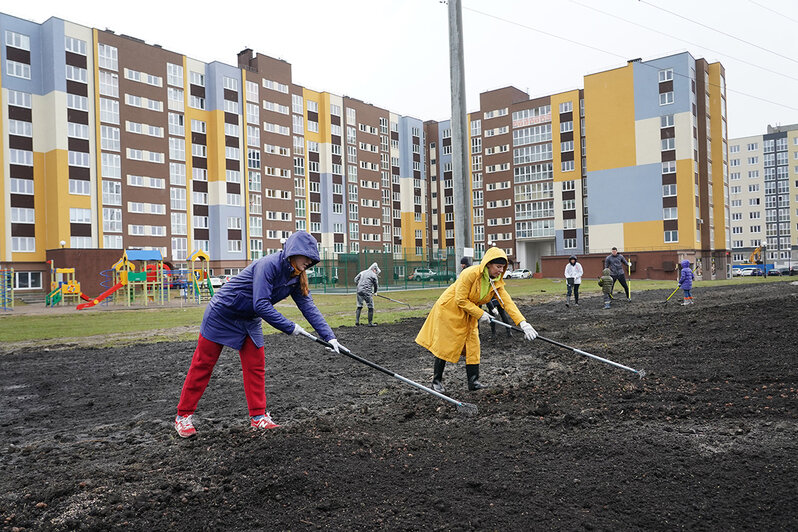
x=636, y=160
x=763, y=199
x=111, y=143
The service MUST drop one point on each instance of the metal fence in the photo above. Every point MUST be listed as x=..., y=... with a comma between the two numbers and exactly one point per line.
x=336, y=272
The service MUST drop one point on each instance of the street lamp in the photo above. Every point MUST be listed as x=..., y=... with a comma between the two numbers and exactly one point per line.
x=764, y=259
x=63, y=243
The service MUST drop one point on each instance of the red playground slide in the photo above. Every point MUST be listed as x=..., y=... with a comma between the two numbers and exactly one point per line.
x=102, y=296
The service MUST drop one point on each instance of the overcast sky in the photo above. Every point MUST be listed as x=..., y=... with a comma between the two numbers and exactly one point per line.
x=394, y=53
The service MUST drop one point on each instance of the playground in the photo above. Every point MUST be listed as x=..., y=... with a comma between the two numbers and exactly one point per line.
x=706, y=440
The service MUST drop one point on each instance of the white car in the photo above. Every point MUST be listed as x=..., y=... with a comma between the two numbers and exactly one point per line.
x=736, y=272
x=518, y=274
x=748, y=272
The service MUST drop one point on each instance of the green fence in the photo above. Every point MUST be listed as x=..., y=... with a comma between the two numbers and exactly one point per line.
x=336, y=272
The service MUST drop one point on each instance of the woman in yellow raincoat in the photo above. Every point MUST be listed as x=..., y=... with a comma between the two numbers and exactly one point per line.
x=452, y=327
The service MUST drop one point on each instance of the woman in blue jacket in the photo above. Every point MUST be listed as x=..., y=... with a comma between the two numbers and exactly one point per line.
x=233, y=318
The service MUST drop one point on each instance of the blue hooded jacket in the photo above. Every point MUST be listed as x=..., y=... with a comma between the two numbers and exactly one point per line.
x=236, y=310
x=686, y=277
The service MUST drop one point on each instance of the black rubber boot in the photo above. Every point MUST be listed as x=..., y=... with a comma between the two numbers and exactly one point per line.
x=371, y=318
x=357, y=315
x=472, y=371
x=437, y=375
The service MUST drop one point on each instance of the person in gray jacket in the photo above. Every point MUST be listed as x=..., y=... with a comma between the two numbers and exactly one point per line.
x=615, y=263
x=367, y=285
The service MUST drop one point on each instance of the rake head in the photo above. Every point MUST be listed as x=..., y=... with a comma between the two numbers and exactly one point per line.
x=467, y=409
x=641, y=373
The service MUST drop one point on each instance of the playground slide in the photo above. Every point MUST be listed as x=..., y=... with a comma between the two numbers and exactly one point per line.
x=84, y=297
x=92, y=302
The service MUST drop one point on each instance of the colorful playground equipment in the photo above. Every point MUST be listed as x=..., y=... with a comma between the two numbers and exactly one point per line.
x=64, y=288
x=149, y=284
x=7, y=289
x=200, y=277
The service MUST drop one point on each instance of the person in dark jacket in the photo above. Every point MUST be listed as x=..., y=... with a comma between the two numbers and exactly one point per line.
x=605, y=282
x=615, y=263
x=233, y=318
x=686, y=282
x=367, y=283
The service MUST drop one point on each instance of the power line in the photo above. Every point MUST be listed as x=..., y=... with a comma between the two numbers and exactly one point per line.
x=718, y=31
x=773, y=11
x=686, y=41
x=514, y=23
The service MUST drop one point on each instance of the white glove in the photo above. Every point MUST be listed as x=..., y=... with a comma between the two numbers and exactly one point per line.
x=484, y=318
x=529, y=332
x=335, y=345
x=495, y=311
x=298, y=330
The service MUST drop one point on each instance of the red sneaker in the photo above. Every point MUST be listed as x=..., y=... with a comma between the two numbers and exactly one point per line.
x=262, y=422
x=185, y=426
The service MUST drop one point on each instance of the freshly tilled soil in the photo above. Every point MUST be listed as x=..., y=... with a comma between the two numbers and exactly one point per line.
x=708, y=440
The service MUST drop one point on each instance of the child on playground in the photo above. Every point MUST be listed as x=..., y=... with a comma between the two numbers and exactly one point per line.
x=605, y=282
x=452, y=327
x=233, y=318
x=686, y=282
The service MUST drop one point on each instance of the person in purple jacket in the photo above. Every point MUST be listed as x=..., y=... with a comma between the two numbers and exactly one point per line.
x=233, y=318
x=686, y=282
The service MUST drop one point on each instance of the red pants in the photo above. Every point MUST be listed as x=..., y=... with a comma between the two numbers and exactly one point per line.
x=253, y=366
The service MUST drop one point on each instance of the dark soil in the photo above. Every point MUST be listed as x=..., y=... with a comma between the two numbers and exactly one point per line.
x=708, y=440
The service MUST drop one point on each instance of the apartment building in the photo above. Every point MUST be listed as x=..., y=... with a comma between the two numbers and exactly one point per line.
x=636, y=160
x=112, y=143
x=764, y=195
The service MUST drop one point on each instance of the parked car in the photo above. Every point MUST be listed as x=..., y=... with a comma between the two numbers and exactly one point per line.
x=428, y=274
x=518, y=274
x=776, y=272
x=736, y=272
x=319, y=276
x=217, y=281
x=748, y=272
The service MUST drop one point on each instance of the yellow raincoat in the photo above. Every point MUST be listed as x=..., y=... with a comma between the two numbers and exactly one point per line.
x=452, y=325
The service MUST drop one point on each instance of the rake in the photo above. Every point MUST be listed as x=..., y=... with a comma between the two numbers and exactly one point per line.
x=395, y=301
x=464, y=408
x=639, y=372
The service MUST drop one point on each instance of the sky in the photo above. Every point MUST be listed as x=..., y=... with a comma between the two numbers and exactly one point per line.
x=394, y=54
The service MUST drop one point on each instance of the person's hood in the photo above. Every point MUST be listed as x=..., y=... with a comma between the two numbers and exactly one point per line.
x=491, y=254
x=376, y=268
x=606, y=271
x=302, y=243
x=573, y=257
x=686, y=264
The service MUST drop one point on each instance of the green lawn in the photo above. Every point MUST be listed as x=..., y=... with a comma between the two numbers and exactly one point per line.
x=165, y=323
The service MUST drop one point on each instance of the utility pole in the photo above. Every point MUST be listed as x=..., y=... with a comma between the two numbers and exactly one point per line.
x=460, y=162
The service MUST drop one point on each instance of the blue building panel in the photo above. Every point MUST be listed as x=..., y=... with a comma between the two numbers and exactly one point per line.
x=406, y=125
x=629, y=194
x=560, y=249
x=646, y=86
x=214, y=86
x=46, y=44
x=328, y=217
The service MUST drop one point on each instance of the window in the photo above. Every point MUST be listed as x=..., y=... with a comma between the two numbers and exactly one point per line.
x=666, y=121
x=17, y=69
x=671, y=236
x=668, y=190
x=108, y=57
x=665, y=75
x=18, y=40
x=666, y=98
x=668, y=144
x=670, y=213
x=27, y=280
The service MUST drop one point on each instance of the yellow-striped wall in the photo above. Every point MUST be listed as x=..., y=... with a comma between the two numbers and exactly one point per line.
x=610, y=119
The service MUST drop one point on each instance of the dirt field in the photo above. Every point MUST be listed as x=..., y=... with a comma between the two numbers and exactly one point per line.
x=708, y=440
